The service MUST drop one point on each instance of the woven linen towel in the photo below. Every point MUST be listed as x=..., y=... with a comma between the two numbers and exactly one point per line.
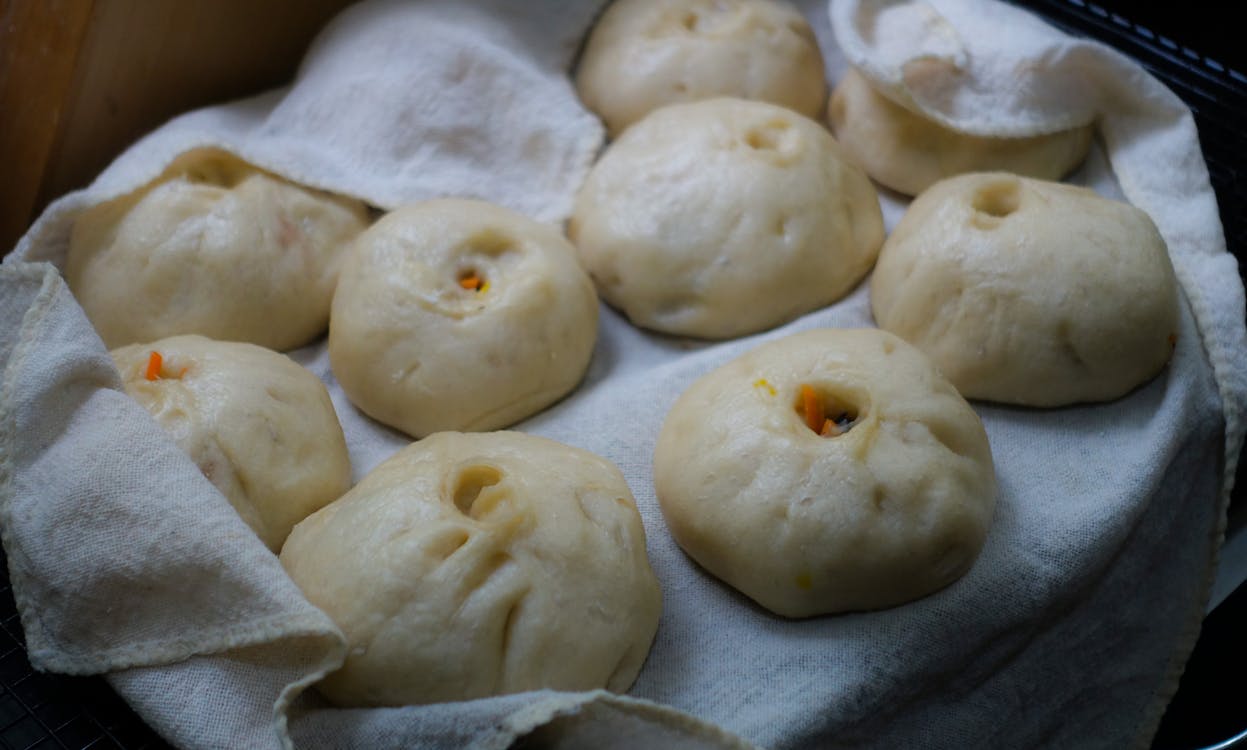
x=1069, y=631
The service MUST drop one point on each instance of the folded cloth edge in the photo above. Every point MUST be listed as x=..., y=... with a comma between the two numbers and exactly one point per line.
x=524, y=721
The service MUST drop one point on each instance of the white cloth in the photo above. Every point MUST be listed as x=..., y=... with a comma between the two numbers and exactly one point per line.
x=1069, y=631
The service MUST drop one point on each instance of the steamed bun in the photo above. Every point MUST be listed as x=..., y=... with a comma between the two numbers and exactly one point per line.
x=725, y=217
x=828, y=471
x=908, y=153
x=460, y=315
x=1029, y=292
x=644, y=54
x=477, y=564
x=260, y=427
x=214, y=247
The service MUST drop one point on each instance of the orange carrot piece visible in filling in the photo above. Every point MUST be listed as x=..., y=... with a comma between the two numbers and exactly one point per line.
x=471, y=281
x=154, y=363
x=812, y=409
x=830, y=428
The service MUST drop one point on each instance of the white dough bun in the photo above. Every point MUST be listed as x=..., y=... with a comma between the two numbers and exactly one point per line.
x=460, y=315
x=908, y=153
x=645, y=54
x=725, y=217
x=1029, y=292
x=216, y=247
x=889, y=502
x=259, y=426
x=477, y=564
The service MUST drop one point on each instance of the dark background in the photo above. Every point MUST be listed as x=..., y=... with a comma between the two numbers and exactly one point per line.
x=1213, y=29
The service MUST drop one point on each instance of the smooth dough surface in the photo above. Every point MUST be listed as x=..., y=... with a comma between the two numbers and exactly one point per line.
x=643, y=54
x=214, y=247
x=894, y=508
x=1029, y=292
x=259, y=426
x=477, y=564
x=415, y=348
x=724, y=217
x=908, y=153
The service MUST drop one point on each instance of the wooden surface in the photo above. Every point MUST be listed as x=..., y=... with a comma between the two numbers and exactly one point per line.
x=39, y=42
x=82, y=79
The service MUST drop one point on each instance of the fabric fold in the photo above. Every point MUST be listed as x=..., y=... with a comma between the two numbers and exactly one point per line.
x=106, y=522
x=1069, y=630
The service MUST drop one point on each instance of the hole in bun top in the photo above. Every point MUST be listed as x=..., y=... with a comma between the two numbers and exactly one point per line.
x=471, y=280
x=210, y=167
x=774, y=140
x=160, y=367
x=477, y=264
x=827, y=412
x=995, y=201
x=470, y=485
